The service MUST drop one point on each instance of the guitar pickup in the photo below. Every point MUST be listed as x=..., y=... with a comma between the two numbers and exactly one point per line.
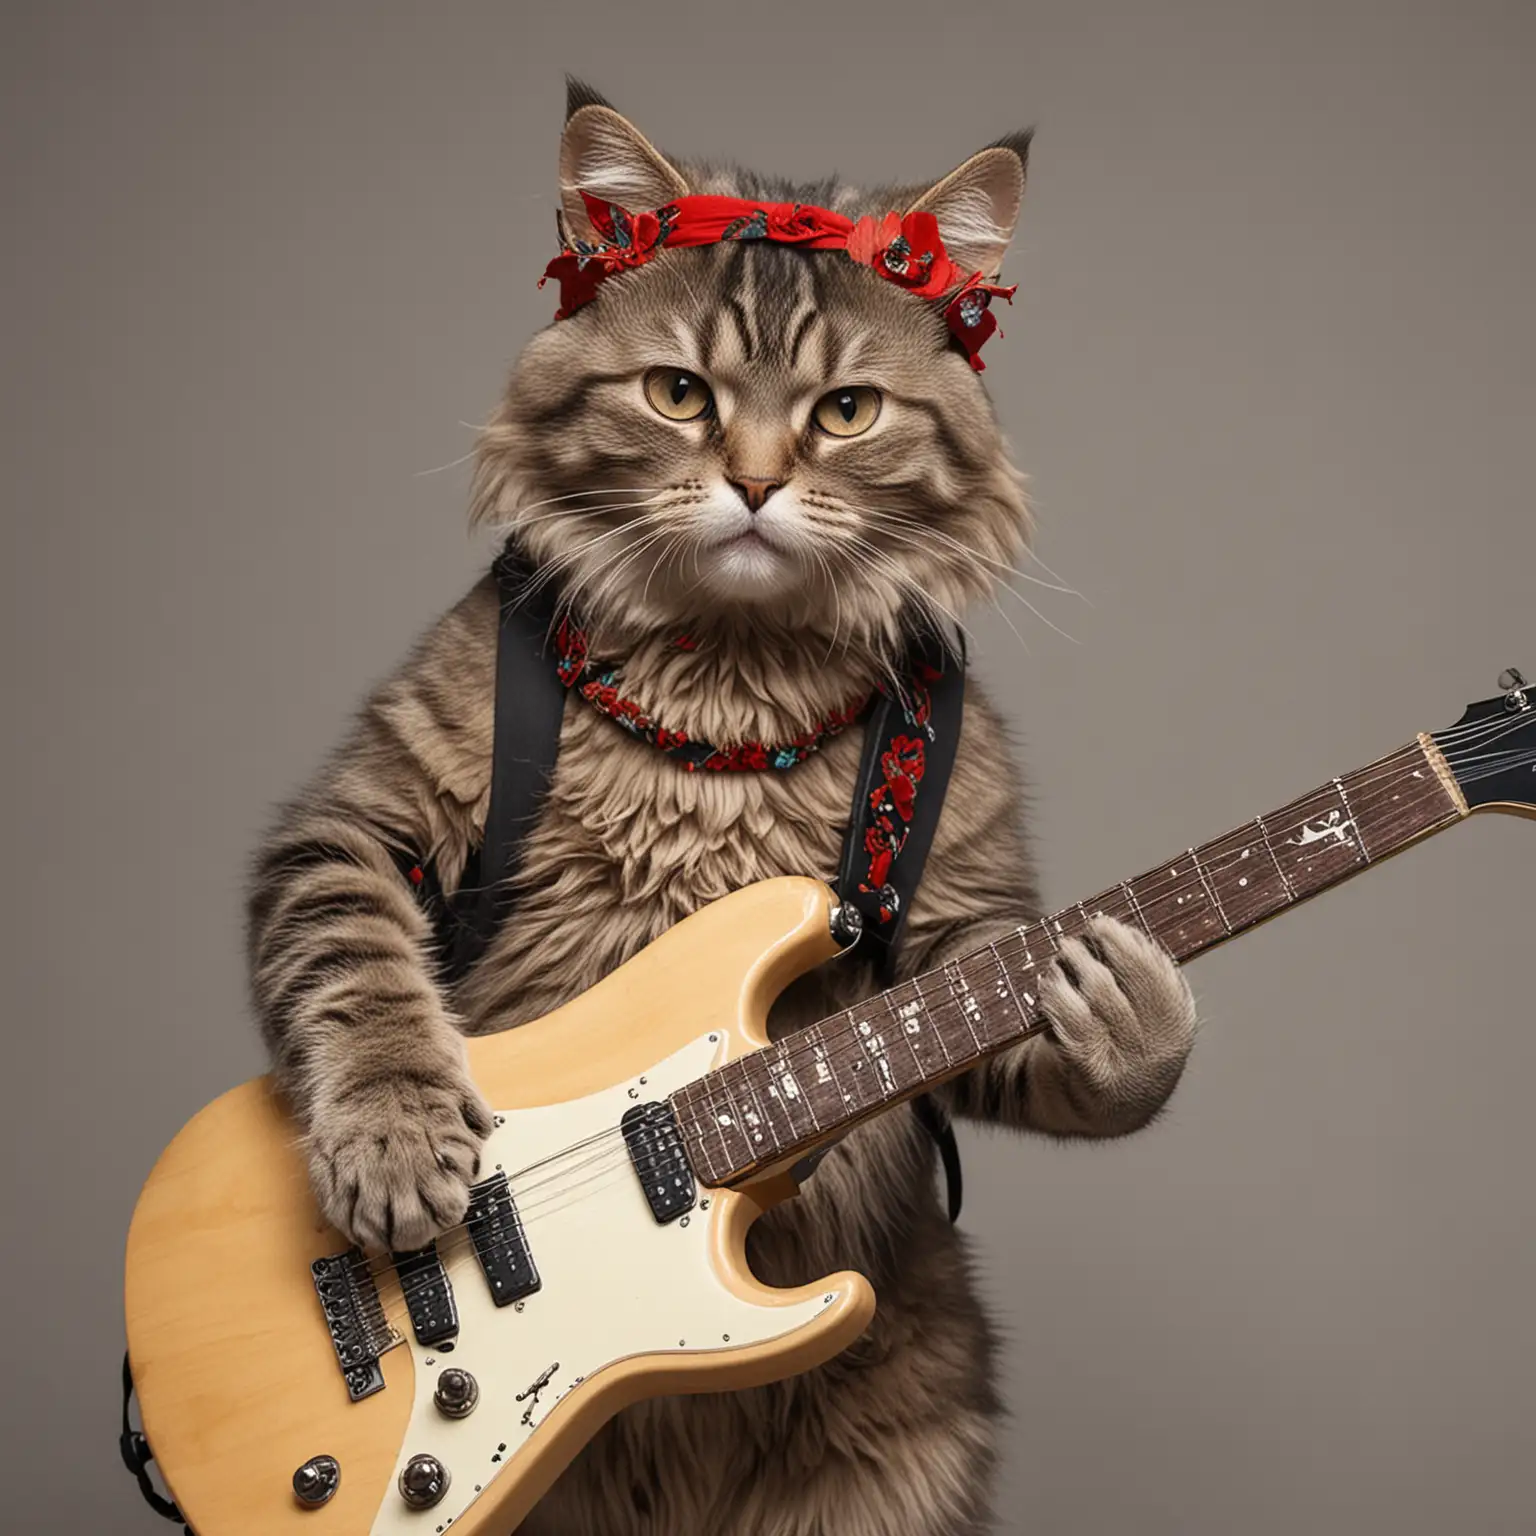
x=656, y=1149
x=354, y=1319
x=428, y=1295
x=500, y=1242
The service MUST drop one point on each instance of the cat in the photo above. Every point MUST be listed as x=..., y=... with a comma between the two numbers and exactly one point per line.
x=784, y=457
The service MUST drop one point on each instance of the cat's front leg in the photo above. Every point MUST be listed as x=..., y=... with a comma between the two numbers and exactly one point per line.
x=1121, y=1027
x=392, y=1152
x=363, y=1047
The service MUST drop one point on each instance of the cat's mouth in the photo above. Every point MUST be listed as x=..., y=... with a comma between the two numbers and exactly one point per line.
x=750, y=538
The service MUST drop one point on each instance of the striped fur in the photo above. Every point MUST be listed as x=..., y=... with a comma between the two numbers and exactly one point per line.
x=628, y=511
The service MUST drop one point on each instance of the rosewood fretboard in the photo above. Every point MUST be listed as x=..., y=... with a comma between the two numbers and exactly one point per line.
x=781, y=1102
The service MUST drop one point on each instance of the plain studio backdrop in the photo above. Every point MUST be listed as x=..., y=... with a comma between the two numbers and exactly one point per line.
x=1270, y=369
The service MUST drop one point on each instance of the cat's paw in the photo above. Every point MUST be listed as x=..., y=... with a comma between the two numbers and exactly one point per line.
x=392, y=1160
x=1123, y=1016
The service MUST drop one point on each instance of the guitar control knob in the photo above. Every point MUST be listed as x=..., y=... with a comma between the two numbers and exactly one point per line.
x=316, y=1481
x=423, y=1481
x=457, y=1393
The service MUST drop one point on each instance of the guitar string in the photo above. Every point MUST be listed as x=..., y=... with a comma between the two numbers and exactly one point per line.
x=1392, y=771
x=1387, y=771
x=1395, y=772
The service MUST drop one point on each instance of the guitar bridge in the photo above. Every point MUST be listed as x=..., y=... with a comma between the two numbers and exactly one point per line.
x=355, y=1319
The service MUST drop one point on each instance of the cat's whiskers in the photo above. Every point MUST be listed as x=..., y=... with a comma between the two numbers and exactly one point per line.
x=556, y=564
x=625, y=559
x=991, y=584
x=570, y=514
x=887, y=516
x=646, y=522
x=518, y=516
x=913, y=534
x=905, y=583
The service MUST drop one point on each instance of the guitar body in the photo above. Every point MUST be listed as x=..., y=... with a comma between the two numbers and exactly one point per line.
x=639, y=1131
x=239, y=1380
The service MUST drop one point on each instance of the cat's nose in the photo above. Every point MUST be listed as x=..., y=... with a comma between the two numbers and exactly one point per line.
x=756, y=492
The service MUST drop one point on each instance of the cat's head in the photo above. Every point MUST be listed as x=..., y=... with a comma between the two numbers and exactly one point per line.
x=752, y=430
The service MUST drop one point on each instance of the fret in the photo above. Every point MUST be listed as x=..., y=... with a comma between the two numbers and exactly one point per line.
x=1061, y=926
x=1030, y=964
x=1133, y=908
x=925, y=1040
x=1349, y=811
x=781, y=1125
x=822, y=1088
x=1182, y=917
x=1269, y=848
x=1072, y=922
x=837, y=1034
x=950, y=1016
x=872, y=1043
x=1007, y=998
x=907, y=1031
x=862, y=1085
x=1316, y=840
x=793, y=1095
x=797, y=1104
x=724, y=1120
x=937, y=1009
x=759, y=1128
x=1247, y=883
x=1396, y=799
x=963, y=1001
x=1210, y=890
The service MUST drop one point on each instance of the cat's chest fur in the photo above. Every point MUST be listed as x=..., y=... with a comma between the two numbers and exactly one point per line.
x=629, y=842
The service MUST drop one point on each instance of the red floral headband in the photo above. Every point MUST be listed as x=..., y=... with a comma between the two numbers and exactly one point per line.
x=904, y=249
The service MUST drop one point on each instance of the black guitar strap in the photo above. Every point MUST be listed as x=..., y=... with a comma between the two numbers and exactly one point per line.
x=909, y=750
x=137, y=1456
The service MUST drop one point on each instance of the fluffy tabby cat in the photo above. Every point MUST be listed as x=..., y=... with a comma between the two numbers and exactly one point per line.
x=672, y=456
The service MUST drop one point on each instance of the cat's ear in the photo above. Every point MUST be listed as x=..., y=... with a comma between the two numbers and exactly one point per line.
x=603, y=154
x=977, y=204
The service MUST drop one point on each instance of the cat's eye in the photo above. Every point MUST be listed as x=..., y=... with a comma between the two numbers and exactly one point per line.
x=847, y=412
x=677, y=394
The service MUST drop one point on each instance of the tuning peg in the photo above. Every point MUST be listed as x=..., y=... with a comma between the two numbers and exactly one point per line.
x=1510, y=678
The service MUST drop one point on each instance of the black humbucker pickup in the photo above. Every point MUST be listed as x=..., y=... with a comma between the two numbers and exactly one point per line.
x=428, y=1294
x=501, y=1245
x=656, y=1150
x=355, y=1320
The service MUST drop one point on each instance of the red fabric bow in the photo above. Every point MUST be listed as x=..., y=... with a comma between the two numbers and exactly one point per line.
x=904, y=249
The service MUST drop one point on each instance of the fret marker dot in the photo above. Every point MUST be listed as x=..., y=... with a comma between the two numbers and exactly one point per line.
x=1243, y=881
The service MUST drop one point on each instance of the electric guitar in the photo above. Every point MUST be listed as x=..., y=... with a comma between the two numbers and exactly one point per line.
x=289, y=1383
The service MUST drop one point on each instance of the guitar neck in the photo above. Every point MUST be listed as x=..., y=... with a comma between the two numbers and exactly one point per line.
x=774, y=1105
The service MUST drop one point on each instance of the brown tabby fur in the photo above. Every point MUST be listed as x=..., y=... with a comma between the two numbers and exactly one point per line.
x=896, y=1436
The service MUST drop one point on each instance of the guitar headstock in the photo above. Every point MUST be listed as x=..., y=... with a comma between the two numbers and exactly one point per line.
x=1492, y=749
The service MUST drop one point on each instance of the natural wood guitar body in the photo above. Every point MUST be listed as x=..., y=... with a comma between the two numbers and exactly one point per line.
x=237, y=1377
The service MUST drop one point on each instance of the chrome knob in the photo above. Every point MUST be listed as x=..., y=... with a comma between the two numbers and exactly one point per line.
x=316, y=1481
x=423, y=1481
x=456, y=1394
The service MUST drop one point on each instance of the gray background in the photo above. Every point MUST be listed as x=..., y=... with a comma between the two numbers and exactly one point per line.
x=1271, y=370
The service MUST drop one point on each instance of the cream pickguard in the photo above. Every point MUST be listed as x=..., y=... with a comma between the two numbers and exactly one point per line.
x=615, y=1284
